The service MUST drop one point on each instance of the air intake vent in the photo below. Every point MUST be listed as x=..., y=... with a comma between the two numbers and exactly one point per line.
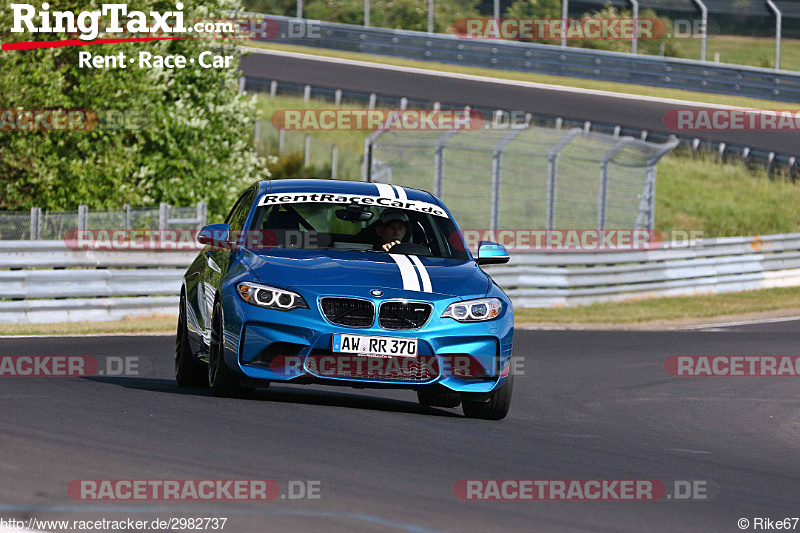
x=404, y=315
x=350, y=312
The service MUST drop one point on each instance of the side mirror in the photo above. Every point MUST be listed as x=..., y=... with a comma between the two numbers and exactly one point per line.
x=491, y=253
x=217, y=235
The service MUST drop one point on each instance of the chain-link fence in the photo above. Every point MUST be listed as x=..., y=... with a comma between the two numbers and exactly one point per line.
x=48, y=225
x=525, y=177
x=325, y=159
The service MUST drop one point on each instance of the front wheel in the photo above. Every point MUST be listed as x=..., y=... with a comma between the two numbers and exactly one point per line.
x=222, y=381
x=189, y=372
x=495, y=408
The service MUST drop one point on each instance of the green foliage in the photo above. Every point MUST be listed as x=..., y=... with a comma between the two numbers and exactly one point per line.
x=291, y=166
x=644, y=46
x=541, y=9
x=191, y=131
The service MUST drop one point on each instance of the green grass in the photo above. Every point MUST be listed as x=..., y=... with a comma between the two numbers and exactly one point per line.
x=667, y=309
x=723, y=199
x=151, y=324
x=626, y=88
x=753, y=51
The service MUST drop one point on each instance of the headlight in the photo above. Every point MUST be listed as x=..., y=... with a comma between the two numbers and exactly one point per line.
x=474, y=310
x=270, y=297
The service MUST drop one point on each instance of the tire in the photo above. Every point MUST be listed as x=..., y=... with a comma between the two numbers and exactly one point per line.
x=495, y=408
x=189, y=372
x=221, y=380
x=438, y=397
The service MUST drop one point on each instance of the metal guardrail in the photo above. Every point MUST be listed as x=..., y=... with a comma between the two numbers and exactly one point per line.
x=85, y=285
x=686, y=74
x=549, y=278
x=531, y=279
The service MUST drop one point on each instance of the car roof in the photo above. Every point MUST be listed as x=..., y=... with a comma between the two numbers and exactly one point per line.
x=344, y=187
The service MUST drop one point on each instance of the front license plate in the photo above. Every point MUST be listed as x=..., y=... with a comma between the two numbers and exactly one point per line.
x=371, y=345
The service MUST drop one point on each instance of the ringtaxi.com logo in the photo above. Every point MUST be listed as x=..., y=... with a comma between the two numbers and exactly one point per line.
x=192, y=490
x=578, y=490
x=67, y=366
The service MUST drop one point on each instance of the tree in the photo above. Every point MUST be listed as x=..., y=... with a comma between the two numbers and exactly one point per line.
x=186, y=132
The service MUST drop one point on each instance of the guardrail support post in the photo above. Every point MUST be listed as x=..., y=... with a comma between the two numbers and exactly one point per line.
x=337, y=98
x=273, y=89
x=372, y=100
x=299, y=9
x=366, y=13
x=430, y=16
x=307, y=93
x=552, y=172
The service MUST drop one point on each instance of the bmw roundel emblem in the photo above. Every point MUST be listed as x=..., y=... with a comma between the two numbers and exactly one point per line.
x=376, y=292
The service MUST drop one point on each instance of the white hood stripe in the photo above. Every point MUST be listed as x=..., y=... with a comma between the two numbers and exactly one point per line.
x=401, y=193
x=423, y=273
x=407, y=272
x=385, y=190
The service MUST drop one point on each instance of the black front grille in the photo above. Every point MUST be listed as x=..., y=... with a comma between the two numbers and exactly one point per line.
x=404, y=315
x=350, y=312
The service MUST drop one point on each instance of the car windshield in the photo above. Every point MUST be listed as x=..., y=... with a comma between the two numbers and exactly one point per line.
x=342, y=226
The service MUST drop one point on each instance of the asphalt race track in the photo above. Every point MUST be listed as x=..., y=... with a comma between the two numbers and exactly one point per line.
x=589, y=405
x=627, y=111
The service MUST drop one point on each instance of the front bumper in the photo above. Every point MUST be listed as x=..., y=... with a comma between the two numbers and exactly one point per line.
x=296, y=346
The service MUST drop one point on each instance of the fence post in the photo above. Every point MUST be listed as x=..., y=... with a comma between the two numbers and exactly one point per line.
x=334, y=160
x=778, y=17
x=83, y=217
x=438, y=161
x=603, y=192
x=564, y=16
x=163, y=216
x=366, y=164
x=552, y=172
x=36, y=223
x=337, y=98
x=307, y=151
x=281, y=141
x=366, y=13
x=404, y=103
x=430, y=16
x=273, y=89
x=373, y=98
x=497, y=173
x=126, y=210
x=307, y=93
x=242, y=83
x=635, y=25
x=201, y=214
x=703, y=28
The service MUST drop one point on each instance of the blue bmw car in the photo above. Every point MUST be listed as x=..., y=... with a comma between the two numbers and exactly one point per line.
x=346, y=283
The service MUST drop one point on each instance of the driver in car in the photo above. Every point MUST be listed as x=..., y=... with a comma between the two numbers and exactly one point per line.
x=387, y=231
x=391, y=228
